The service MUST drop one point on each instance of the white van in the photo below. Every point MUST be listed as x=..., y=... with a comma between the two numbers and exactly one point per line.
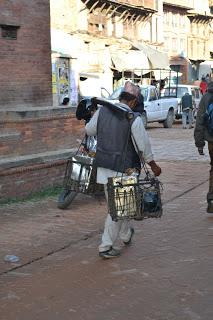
x=181, y=90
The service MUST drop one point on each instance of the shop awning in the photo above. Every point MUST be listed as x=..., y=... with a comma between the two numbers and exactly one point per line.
x=129, y=60
x=158, y=59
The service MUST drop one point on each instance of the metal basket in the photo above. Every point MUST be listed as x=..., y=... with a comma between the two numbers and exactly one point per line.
x=80, y=175
x=133, y=198
x=151, y=205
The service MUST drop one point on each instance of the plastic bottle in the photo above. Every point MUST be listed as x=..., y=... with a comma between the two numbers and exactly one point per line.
x=11, y=258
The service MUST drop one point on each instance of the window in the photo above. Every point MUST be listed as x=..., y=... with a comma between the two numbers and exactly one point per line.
x=191, y=47
x=173, y=20
x=182, y=44
x=174, y=44
x=166, y=43
x=9, y=32
x=152, y=95
x=166, y=17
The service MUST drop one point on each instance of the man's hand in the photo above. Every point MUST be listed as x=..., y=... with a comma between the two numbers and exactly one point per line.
x=200, y=151
x=155, y=168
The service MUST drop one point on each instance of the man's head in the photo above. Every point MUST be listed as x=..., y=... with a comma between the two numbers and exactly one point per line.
x=130, y=94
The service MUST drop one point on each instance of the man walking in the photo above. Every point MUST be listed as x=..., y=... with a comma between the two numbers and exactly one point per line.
x=202, y=134
x=113, y=137
x=187, y=107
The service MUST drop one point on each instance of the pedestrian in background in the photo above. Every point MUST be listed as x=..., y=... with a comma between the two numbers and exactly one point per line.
x=139, y=107
x=201, y=134
x=187, y=108
x=113, y=137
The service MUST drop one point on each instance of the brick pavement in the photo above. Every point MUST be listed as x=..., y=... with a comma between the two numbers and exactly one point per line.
x=166, y=274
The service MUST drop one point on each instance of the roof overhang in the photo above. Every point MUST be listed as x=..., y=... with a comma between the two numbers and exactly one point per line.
x=112, y=7
x=193, y=15
x=184, y=5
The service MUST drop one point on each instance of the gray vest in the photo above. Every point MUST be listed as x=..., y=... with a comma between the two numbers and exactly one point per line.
x=115, y=149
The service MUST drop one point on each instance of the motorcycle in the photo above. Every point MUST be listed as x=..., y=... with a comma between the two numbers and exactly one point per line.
x=76, y=172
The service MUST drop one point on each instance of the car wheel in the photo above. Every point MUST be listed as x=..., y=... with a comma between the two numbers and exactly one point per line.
x=169, y=119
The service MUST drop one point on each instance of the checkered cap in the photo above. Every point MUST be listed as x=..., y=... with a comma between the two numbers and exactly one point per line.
x=131, y=88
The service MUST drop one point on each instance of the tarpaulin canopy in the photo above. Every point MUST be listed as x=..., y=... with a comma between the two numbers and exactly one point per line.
x=158, y=59
x=129, y=60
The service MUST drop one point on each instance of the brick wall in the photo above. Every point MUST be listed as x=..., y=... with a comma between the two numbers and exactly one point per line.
x=37, y=135
x=25, y=68
x=34, y=147
x=23, y=181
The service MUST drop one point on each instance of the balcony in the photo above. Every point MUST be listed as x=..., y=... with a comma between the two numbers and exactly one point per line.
x=187, y=4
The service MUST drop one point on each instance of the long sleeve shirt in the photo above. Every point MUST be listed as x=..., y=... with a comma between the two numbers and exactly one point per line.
x=139, y=137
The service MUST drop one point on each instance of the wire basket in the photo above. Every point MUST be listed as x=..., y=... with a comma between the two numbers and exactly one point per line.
x=80, y=175
x=133, y=198
x=151, y=205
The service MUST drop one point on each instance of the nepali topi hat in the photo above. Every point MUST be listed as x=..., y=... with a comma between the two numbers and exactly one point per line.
x=131, y=88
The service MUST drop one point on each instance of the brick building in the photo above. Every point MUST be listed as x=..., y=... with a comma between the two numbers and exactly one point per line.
x=35, y=137
x=112, y=35
x=187, y=36
x=25, y=74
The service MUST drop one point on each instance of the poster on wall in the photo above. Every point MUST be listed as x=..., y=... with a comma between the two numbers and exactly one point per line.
x=54, y=79
x=63, y=80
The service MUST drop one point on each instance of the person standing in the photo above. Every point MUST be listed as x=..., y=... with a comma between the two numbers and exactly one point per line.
x=113, y=137
x=201, y=134
x=187, y=107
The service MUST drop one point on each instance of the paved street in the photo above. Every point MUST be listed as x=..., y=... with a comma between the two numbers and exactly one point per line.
x=166, y=274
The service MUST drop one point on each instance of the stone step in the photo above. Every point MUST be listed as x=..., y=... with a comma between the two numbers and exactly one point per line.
x=32, y=159
x=9, y=135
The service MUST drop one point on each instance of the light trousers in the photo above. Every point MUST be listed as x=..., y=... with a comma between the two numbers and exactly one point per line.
x=114, y=230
